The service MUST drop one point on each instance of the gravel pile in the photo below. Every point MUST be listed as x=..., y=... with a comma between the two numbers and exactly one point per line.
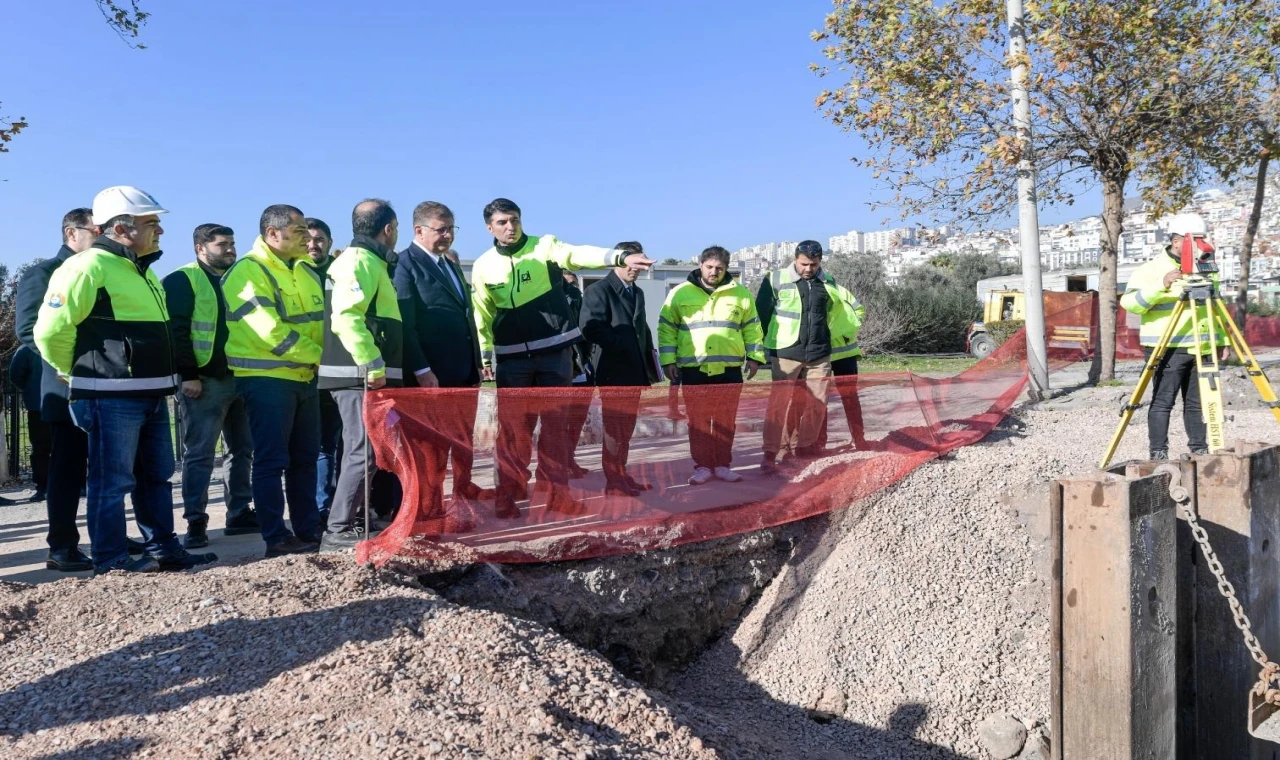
x=915, y=616
x=308, y=658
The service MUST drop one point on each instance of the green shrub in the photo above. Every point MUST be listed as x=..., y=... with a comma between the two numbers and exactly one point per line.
x=1003, y=330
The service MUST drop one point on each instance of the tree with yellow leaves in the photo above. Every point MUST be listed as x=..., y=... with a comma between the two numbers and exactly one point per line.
x=1122, y=90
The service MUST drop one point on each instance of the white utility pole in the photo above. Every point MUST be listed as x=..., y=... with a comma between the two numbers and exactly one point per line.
x=1028, y=215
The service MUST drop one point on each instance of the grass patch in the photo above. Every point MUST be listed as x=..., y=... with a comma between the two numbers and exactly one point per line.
x=932, y=365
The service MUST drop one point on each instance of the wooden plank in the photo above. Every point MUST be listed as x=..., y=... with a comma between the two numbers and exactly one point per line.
x=1055, y=620
x=1239, y=506
x=1118, y=619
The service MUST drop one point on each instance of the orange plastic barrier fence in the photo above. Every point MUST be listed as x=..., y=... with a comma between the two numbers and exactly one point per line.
x=906, y=420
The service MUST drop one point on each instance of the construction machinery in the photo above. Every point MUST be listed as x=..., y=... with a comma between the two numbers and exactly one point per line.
x=1008, y=305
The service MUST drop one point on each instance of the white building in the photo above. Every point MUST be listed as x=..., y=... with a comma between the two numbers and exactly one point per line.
x=850, y=242
x=883, y=241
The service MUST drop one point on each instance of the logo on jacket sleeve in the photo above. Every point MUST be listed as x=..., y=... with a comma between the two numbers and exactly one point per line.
x=56, y=301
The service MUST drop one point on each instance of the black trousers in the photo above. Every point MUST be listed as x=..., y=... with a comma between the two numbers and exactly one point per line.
x=41, y=446
x=519, y=414
x=848, y=390
x=619, y=407
x=711, y=403
x=1175, y=375
x=68, y=469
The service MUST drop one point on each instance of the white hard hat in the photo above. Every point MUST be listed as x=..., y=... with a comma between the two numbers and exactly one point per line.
x=1187, y=224
x=123, y=199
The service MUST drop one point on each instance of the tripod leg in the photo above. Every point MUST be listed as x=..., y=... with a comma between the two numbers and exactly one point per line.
x=1148, y=372
x=1259, y=378
x=1208, y=375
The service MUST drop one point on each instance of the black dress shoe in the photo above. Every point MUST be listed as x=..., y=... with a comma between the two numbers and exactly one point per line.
x=637, y=484
x=181, y=559
x=38, y=496
x=127, y=564
x=137, y=548
x=506, y=508
x=197, y=535
x=68, y=560
x=242, y=524
x=621, y=488
x=292, y=545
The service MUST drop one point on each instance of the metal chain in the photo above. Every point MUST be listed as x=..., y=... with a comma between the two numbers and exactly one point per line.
x=1270, y=670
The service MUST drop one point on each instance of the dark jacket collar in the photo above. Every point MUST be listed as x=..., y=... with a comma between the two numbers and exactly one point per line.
x=104, y=243
x=374, y=247
x=64, y=253
x=514, y=248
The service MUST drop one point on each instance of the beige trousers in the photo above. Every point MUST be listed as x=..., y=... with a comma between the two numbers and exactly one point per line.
x=797, y=404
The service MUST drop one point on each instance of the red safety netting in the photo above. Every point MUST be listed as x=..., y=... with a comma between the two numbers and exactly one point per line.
x=906, y=419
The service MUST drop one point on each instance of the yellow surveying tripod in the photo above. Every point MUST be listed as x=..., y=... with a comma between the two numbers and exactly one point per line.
x=1209, y=315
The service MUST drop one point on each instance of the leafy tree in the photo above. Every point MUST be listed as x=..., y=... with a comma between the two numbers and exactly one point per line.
x=671, y=261
x=125, y=18
x=1122, y=89
x=1247, y=146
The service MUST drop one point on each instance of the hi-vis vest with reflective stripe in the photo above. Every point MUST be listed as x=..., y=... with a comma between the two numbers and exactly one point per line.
x=275, y=316
x=204, y=317
x=1145, y=295
x=104, y=326
x=784, y=329
x=710, y=331
x=365, y=337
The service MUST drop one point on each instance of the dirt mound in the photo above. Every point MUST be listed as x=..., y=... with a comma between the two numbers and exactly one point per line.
x=908, y=619
x=308, y=657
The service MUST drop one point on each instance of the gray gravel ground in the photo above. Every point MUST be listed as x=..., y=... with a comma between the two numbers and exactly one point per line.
x=921, y=612
x=900, y=625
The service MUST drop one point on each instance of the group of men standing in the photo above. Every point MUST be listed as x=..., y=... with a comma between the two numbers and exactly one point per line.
x=273, y=352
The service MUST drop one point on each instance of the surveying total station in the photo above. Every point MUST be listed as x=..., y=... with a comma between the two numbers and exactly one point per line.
x=1212, y=328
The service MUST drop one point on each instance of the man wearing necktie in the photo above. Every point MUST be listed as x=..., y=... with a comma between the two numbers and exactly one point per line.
x=622, y=351
x=441, y=346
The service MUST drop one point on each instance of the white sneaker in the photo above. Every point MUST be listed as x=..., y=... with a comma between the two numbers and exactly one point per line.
x=701, y=476
x=727, y=475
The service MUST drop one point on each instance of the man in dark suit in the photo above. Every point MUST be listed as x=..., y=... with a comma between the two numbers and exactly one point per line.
x=441, y=346
x=69, y=445
x=615, y=324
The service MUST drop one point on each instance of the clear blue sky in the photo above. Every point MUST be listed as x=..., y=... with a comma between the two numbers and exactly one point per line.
x=680, y=124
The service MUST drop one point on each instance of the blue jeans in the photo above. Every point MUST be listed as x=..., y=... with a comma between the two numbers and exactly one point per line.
x=284, y=416
x=218, y=412
x=130, y=451
x=330, y=440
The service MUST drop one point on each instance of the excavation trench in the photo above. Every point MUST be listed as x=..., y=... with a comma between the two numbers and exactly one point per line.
x=648, y=613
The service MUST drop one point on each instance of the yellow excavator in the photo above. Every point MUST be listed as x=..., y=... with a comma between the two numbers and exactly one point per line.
x=1007, y=305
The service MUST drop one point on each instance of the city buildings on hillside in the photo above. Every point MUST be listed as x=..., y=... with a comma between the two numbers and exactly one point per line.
x=1074, y=245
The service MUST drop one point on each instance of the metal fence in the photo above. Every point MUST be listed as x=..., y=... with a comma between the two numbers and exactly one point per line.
x=17, y=436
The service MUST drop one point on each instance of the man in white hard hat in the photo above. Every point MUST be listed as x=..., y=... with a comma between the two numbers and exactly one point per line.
x=1152, y=292
x=104, y=328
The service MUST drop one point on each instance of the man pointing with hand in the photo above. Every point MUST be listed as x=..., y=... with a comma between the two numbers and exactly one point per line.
x=527, y=331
